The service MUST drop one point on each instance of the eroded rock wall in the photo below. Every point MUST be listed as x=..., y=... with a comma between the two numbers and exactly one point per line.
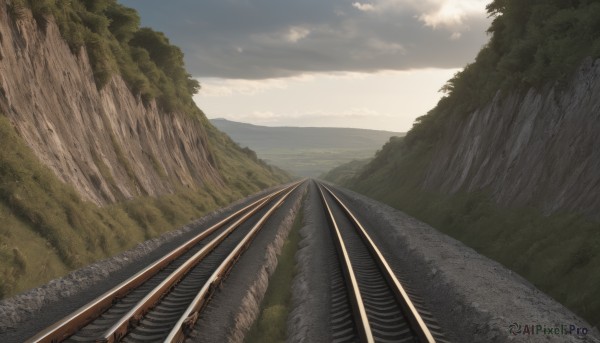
x=105, y=143
x=536, y=148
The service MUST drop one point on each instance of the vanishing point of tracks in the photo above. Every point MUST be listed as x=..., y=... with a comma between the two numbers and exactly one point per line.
x=162, y=302
x=369, y=304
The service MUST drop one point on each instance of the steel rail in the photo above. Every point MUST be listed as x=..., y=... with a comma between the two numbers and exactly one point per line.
x=409, y=310
x=359, y=312
x=122, y=326
x=192, y=313
x=72, y=323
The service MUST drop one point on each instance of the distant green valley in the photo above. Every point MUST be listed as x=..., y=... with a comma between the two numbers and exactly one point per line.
x=306, y=151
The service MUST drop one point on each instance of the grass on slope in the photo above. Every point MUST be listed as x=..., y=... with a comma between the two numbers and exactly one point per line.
x=560, y=254
x=46, y=229
x=275, y=307
x=241, y=168
x=344, y=173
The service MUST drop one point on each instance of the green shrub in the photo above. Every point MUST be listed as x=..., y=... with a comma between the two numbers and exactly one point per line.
x=97, y=6
x=124, y=22
x=100, y=58
x=270, y=326
x=41, y=10
x=96, y=23
x=16, y=9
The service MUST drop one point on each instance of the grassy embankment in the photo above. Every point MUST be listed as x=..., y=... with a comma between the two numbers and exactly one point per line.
x=346, y=172
x=275, y=307
x=47, y=229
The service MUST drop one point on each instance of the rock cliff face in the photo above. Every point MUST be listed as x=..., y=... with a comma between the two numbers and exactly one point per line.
x=539, y=148
x=106, y=143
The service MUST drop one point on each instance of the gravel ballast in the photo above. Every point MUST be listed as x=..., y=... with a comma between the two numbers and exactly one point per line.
x=309, y=320
x=236, y=304
x=474, y=298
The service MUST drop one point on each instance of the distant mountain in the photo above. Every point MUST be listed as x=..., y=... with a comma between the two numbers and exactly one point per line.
x=306, y=151
x=265, y=137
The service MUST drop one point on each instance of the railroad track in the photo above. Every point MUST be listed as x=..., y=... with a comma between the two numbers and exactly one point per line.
x=162, y=302
x=369, y=304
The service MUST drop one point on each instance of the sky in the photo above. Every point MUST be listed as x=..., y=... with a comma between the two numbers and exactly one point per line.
x=374, y=64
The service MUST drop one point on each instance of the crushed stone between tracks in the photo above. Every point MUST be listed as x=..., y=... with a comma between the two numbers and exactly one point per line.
x=236, y=305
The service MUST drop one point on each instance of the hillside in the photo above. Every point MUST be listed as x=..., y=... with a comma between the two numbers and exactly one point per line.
x=101, y=145
x=306, y=151
x=345, y=173
x=507, y=161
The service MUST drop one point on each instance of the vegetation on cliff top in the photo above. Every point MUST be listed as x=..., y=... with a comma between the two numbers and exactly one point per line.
x=532, y=43
x=115, y=43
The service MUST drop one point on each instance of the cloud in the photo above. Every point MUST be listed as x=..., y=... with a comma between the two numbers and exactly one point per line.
x=382, y=47
x=366, y=7
x=226, y=87
x=380, y=100
x=455, y=35
x=296, y=33
x=261, y=39
x=219, y=87
x=452, y=13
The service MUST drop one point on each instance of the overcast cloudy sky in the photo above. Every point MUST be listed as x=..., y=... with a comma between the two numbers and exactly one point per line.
x=372, y=64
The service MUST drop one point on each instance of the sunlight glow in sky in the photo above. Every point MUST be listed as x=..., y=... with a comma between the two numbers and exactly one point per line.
x=387, y=100
x=370, y=64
